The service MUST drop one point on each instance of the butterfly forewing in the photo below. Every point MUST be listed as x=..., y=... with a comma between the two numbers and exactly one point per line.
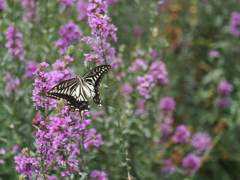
x=77, y=90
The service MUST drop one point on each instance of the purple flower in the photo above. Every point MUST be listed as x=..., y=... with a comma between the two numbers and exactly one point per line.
x=103, y=32
x=167, y=104
x=12, y=85
x=201, y=141
x=116, y=63
x=159, y=72
x=127, y=88
x=141, y=107
x=65, y=4
x=82, y=9
x=224, y=88
x=15, y=148
x=139, y=64
x=223, y=102
x=14, y=44
x=99, y=175
x=145, y=86
x=30, y=67
x=191, y=163
x=2, y=4
x=235, y=24
x=65, y=174
x=168, y=167
x=214, y=53
x=181, y=134
x=2, y=151
x=166, y=127
x=31, y=11
x=70, y=33
x=25, y=163
x=112, y=2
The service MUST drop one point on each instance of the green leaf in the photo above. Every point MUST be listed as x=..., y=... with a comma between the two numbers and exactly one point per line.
x=8, y=108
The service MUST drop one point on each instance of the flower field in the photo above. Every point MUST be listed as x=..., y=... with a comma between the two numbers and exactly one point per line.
x=167, y=107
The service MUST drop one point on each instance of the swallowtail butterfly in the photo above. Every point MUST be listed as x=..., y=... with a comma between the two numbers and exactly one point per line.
x=77, y=90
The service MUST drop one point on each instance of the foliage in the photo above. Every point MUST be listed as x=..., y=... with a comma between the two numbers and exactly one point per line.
x=169, y=103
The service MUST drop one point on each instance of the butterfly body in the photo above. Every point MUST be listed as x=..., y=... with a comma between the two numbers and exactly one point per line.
x=78, y=90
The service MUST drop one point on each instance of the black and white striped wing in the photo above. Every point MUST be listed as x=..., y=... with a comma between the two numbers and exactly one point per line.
x=72, y=91
x=93, y=79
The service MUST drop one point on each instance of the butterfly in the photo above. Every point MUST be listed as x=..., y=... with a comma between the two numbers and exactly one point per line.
x=77, y=90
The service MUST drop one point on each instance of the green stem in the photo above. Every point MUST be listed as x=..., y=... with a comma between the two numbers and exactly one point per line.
x=118, y=120
x=214, y=142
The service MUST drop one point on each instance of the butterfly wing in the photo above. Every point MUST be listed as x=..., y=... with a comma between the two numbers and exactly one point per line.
x=72, y=91
x=93, y=79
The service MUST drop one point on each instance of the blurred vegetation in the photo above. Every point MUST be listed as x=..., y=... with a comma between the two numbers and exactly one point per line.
x=183, y=32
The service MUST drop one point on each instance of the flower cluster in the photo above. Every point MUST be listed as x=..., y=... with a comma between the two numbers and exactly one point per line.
x=102, y=32
x=65, y=4
x=235, y=24
x=31, y=11
x=70, y=32
x=99, y=175
x=61, y=139
x=127, y=88
x=181, y=134
x=112, y=2
x=214, y=53
x=159, y=72
x=200, y=141
x=224, y=90
x=141, y=109
x=30, y=67
x=2, y=4
x=145, y=85
x=12, y=85
x=167, y=106
x=139, y=64
x=14, y=44
x=191, y=163
x=2, y=152
x=168, y=167
x=156, y=75
x=82, y=9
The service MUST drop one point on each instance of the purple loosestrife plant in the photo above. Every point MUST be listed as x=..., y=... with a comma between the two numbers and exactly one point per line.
x=191, y=163
x=102, y=33
x=31, y=68
x=235, y=24
x=181, y=134
x=70, y=33
x=167, y=104
x=31, y=11
x=99, y=175
x=145, y=86
x=201, y=141
x=168, y=168
x=65, y=4
x=224, y=90
x=12, y=85
x=61, y=139
x=214, y=53
x=2, y=152
x=14, y=44
x=82, y=9
x=2, y=2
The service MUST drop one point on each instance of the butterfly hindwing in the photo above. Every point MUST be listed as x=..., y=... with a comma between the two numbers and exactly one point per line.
x=67, y=90
x=93, y=78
